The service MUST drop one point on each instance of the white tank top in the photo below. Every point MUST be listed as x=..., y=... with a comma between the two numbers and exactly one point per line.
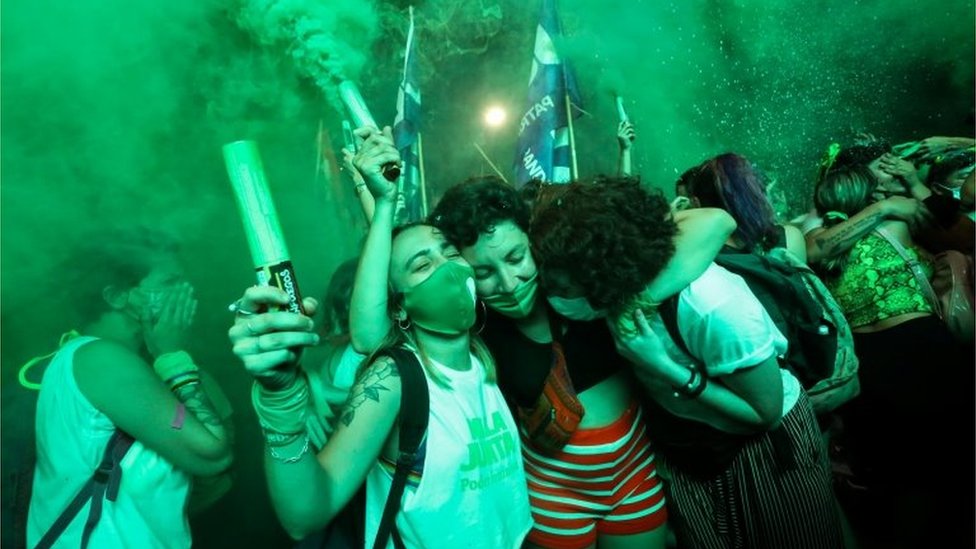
x=71, y=439
x=472, y=492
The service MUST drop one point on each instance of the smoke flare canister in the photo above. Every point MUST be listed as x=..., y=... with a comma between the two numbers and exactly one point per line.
x=353, y=100
x=264, y=237
x=622, y=113
x=348, y=138
x=620, y=110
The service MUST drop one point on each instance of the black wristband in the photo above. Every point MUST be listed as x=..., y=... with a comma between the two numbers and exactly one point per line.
x=694, y=387
x=699, y=389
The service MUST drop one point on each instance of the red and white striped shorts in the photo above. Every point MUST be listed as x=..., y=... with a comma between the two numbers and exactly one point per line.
x=602, y=482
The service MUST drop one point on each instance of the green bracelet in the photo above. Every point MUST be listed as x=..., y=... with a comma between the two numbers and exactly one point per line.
x=282, y=411
x=172, y=365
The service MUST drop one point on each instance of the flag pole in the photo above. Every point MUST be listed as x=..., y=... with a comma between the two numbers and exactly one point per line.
x=318, y=153
x=490, y=163
x=572, y=136
x=423, y=179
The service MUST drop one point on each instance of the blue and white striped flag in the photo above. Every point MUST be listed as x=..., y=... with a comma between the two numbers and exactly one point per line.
x=406, y=134
x=543, y=148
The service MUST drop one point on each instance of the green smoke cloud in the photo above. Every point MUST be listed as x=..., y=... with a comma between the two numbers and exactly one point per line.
x=328, y=42
x=114, y=113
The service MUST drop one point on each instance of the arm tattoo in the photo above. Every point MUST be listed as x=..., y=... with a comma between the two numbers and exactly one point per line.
x=197, y=402
x=369, y=387
x=847, y=234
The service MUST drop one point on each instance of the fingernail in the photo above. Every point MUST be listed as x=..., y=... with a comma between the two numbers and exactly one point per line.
x=315, y=339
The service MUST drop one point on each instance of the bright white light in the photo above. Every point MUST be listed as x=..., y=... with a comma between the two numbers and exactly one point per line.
x=495, y=116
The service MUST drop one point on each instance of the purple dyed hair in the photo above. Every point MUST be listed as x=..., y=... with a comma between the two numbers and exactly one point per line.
x=730, y=182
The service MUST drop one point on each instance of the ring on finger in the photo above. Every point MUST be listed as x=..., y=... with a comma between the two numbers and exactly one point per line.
x=237, y=308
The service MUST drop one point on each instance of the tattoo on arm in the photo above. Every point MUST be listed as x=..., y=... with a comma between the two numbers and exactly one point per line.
x=196, y=401
x=847, y=234
x=369, y=387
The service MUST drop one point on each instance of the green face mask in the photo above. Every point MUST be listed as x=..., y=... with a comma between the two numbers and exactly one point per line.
x=444, y=303
x=517, y=304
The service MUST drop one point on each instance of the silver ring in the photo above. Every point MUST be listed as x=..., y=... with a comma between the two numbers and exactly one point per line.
x=236, y=308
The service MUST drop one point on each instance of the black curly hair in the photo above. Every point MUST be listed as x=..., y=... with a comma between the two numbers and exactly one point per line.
x=949, y=164
x=476, y=207
x=610, y=236
x=861, y=155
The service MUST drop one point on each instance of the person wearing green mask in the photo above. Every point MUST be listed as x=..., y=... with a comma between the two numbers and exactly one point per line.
x=467, y=487
x=534, y=337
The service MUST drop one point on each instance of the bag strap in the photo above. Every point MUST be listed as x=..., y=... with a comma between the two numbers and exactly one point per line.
x=559, y=365
x=669, y=316
x=915, y=267
x=103, y=484
x=414, y=413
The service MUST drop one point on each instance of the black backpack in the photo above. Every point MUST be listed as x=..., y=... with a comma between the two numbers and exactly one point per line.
x=348, y=529
x=821, y=345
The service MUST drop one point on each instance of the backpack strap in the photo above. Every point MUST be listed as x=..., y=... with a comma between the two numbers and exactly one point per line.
x=414, y=413
x=103, y=484
x=915, y=267
x=669, y=316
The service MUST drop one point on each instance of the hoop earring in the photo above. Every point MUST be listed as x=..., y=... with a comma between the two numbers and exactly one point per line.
x=484, y=317
x=400, y=323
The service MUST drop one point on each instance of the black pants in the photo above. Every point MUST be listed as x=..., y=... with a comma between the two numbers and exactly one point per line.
x=910, y=434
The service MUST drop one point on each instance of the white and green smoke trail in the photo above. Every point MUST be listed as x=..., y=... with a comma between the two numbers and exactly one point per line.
x=327, y=41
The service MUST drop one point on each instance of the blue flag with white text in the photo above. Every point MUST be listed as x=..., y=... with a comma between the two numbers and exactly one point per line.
x=543, y=148
x=406, y=135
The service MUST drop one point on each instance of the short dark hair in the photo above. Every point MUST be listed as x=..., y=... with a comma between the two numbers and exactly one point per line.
x=338, y=297
x=610, y=236
x=475, y=207
x=949, y=164
x=861, y=155
x=118, y=258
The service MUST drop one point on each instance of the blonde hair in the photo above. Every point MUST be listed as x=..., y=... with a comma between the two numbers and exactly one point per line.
x=842, y=192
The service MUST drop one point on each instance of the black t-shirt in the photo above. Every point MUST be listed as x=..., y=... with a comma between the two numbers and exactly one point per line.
x=523, y=364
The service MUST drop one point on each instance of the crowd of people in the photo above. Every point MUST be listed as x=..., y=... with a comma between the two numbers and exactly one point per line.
x=592, y=377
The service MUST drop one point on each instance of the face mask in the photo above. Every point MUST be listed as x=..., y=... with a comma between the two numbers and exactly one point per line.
x=150, y=300
x=444, y=303
x=154, y=302
x=517, y=304
x=576, y=308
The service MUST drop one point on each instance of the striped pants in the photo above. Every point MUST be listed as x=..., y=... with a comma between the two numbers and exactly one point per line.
x=777, y=494
x=602, y=482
